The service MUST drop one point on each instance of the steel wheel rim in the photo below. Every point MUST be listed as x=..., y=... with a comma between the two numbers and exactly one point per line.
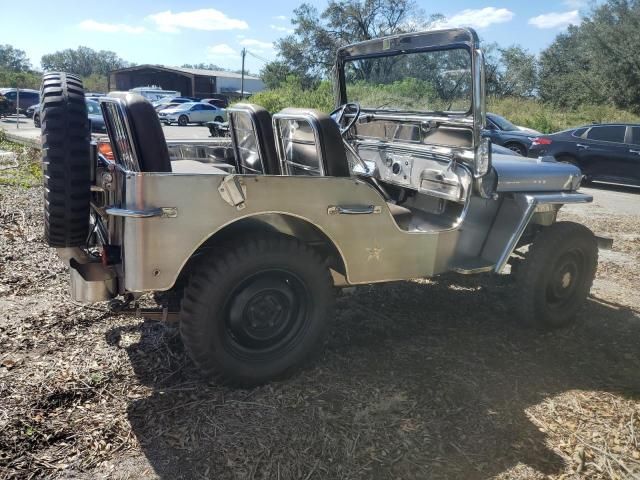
x=265, y=314
x=566, y=277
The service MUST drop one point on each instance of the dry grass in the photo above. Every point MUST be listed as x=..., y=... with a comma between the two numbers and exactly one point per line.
x=426, y=379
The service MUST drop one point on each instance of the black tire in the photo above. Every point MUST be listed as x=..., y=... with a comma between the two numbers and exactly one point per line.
x=36, y=120
x=554, y=279
x=183, y=120
x=65, y=160
x=518, y=148
x=219, y=119
x=232, y=321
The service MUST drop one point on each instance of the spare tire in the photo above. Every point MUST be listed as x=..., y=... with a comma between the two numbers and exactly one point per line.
x=66, y=135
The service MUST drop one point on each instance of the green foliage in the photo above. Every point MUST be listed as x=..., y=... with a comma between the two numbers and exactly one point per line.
x=548, y=118
x=13, y=59
x=292, y=94
x=14, y=79
x=406, y=94
x=310, y=51
x=597, y=61
x=27, y=171
x=95, y=83
x=531, y=113
x=83, y=61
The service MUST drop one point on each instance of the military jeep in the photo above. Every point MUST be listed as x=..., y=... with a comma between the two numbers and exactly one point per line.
x=246, y=244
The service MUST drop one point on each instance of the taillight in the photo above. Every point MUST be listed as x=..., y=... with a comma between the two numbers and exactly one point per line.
x=104, y=149
x=541, y=141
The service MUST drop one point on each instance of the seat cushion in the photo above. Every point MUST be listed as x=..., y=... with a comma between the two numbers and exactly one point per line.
x=147, y=132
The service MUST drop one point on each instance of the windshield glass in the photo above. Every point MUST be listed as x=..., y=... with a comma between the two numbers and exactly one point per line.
x=93, y=108
x=502, y=122
x=183, y=106
x=438, y=81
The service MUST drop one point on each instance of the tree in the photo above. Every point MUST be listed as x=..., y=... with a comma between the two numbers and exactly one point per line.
x=83, y=61
x=310, y=51
x=511, y=71
x=597, y=61
x=275, y=73
x=14, y=59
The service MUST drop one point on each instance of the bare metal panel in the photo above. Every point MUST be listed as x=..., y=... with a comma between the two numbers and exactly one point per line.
x=372, y=246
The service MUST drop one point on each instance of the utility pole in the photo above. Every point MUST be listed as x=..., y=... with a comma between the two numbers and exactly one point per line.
x=244, y=54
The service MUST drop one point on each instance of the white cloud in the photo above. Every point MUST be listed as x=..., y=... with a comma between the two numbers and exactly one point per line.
x=93, y=26
x=204, y=19
x=476, y=18
x=221, y=50
x=281, y=29
x=282, y=18
x=257, y=45
x=556, y=19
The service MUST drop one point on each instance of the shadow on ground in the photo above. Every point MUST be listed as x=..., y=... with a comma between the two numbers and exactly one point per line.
x=419, y=380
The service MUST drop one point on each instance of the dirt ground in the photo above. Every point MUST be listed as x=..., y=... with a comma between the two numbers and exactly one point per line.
x=424, y=379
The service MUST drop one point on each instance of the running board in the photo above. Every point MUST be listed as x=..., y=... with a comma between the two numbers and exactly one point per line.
x=472, y=265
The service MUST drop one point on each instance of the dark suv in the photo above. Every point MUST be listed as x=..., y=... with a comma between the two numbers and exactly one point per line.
x=604, y=152
x=27, y=98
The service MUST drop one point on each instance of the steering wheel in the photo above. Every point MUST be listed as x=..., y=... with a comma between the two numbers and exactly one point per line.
x=339, y=114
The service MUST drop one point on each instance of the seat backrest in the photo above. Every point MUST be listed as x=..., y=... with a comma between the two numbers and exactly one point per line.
x=252, y=139
x=309, y=143
x=146, y=131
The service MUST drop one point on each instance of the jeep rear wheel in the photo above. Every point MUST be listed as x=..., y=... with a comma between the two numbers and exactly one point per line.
x=65, y=132
x=555, y=277
x=257, y=312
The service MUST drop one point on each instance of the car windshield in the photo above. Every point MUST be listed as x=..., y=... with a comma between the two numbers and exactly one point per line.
x=184, y=106
x=93, y=108
x=502, y=123
x=436, y=81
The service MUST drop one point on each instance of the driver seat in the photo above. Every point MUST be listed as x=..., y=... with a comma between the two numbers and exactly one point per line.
x=309, y=143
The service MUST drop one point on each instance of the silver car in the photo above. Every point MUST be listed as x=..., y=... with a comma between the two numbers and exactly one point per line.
x=192, y=112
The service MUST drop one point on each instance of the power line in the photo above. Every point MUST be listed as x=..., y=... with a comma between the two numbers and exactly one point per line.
x=258, y=57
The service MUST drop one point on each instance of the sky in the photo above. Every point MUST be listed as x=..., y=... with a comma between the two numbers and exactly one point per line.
x=199, y=31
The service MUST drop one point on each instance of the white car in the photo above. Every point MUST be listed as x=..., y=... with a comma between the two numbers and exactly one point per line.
x=192, y=112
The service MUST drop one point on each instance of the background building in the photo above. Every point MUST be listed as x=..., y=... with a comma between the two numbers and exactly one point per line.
x=189, y=82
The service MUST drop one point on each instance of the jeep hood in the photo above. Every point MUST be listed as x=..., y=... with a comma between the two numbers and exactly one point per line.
x=520, y=174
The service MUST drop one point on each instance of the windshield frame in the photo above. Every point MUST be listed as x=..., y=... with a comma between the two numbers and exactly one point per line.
x=440, y=48
x=417, y=42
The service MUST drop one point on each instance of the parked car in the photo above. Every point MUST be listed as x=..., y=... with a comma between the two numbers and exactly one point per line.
x=5, y=106
x=163, y=102
x=604, y=152
x=27, y=98
x=221, y=101
x=193, y=112
x=515, y=138
x=32, y=110
x=93, y=110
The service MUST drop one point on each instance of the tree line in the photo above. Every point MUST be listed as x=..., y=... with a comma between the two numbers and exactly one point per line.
x=94, y=66
x=593, y=63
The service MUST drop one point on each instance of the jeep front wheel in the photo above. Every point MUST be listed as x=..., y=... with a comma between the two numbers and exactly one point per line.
x=258, y=311
x=554, y=279
x=183, y=120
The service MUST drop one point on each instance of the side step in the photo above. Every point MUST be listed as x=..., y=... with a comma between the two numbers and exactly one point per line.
x=472, y=265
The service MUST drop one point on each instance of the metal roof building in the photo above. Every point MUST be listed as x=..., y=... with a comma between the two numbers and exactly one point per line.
x=191, y=82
